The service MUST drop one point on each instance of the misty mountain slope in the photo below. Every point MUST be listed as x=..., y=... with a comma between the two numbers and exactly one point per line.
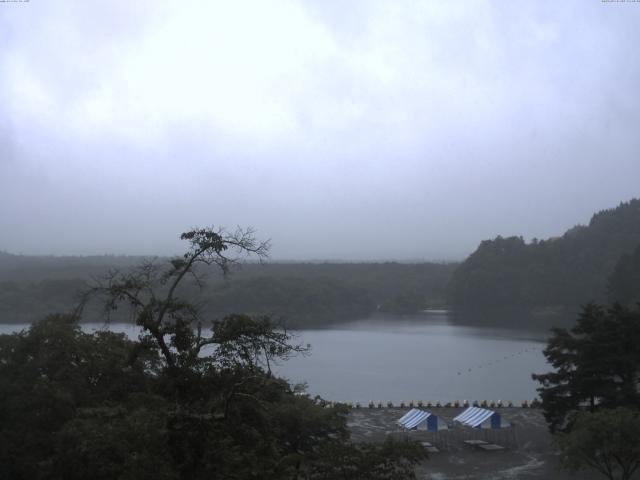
x=570, y=270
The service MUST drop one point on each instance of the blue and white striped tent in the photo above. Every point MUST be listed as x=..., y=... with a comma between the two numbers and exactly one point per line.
x=476, y=417
x=416, y=419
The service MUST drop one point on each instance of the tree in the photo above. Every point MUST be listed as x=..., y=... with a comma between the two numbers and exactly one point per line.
x=607, y=441
x=597, y=365
x=185, y=401
x=152, y=291
x=51, y=373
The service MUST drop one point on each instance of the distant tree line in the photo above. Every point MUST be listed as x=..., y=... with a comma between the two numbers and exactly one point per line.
x=596, y=262
x=300, y=294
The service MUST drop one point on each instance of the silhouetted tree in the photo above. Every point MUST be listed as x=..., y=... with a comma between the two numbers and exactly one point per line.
x=151, y=291
x=597, y=365
x=188, y=400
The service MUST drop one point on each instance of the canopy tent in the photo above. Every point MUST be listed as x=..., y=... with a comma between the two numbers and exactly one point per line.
x=476, y=417
x=416, y=419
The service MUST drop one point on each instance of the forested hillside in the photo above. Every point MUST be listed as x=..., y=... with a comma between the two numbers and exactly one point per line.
x=624, y=283
x=566, y=271
x=300, y=293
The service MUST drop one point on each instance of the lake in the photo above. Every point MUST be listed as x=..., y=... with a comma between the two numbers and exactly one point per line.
x=415, y=357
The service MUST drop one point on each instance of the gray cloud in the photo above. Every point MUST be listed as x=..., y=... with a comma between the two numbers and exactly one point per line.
x=407, y=130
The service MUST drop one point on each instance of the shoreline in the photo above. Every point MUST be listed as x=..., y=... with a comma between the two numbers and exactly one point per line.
x=531, y=456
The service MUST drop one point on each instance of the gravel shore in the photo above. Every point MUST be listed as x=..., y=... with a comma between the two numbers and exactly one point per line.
x=528, y=453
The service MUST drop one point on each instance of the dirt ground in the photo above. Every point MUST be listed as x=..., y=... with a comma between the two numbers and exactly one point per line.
x=528, y=452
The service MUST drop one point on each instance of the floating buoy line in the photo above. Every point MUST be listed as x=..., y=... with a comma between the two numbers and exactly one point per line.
x=500, y=360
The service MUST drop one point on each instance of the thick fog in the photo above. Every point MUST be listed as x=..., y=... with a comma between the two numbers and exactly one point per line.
x=340, y=130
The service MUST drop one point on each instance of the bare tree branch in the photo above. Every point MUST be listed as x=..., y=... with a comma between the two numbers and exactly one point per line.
x=152, y=293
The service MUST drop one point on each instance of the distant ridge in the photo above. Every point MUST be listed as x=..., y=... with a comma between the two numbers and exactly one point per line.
x=563, y=271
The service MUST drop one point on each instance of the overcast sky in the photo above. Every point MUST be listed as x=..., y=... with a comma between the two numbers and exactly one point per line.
x=341, y=130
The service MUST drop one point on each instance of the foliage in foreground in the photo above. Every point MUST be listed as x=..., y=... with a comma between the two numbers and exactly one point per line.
x=182, y=402
x=607, y=441
x=597, y=365
x=592, y=401
x=76, y=406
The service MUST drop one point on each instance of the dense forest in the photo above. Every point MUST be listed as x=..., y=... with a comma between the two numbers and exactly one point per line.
x=181, y=401
x=299, y=294
x=597, y=262
x=624, y=282
x=566, y=271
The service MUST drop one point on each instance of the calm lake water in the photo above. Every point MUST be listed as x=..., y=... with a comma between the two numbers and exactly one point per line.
x=401, y=358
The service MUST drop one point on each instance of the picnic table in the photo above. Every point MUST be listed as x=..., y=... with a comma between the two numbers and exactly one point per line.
x=491, y=447
x=475, y=443
x=429, y=448
x=481, y=444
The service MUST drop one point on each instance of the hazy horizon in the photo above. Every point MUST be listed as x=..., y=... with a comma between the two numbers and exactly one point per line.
x=406, y=131
x=271, y=259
